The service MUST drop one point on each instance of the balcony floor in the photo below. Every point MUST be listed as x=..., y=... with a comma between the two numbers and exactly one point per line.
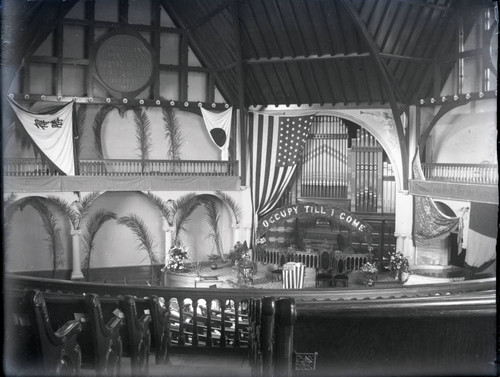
x=61, y=183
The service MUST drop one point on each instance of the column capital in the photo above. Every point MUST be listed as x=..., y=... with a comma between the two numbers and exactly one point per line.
x=76, y=232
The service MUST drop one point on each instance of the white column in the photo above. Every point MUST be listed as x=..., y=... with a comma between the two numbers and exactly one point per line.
x=169, y=232
x=76, y=274
x=404, y=225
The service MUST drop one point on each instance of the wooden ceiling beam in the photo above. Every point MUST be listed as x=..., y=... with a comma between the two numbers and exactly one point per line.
x=363, y=55
x=388, y=82
x=208, y=16
x=205, y=59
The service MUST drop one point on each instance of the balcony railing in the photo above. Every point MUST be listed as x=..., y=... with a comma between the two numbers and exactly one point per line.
x=484, y=174
x=36, y=167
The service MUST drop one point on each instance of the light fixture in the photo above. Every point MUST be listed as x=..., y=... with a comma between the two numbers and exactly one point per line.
x=125, y=100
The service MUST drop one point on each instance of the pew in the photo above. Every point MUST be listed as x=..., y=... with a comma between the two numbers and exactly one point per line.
x=34, y=348
x=159, y=325
x=135, y=334
x=100, y=340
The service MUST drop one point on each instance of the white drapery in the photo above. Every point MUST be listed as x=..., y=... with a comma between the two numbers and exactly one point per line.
x=219, y=128
x=52, y=133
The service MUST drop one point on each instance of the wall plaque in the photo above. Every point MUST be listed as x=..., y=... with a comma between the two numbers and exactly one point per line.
x=124, y=62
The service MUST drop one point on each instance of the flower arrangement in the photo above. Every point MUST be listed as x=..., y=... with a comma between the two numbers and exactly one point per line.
x=370, y=271
x=177, y=257
x=398, y=264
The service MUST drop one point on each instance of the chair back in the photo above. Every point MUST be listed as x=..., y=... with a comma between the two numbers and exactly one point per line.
x=340, y=266
x=324, y=260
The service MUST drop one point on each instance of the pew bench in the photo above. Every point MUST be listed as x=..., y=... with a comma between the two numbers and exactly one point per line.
x=34, y=348
x=159, y=326
x=135, y=333
x=100, y=340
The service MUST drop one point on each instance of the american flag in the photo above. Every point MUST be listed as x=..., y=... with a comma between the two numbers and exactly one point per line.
x=275, y=145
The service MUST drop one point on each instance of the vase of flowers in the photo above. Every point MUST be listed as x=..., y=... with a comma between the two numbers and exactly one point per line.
x=370, y=272
x=177, y=258
x=399, y=266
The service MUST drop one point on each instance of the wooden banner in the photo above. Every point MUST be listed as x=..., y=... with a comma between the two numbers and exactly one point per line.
x=314, y=210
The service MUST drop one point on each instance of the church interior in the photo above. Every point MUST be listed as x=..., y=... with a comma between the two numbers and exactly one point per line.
x=249, y=187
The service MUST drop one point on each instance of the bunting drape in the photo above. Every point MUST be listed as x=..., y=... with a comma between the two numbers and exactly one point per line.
x=52, y=133
x=428, y=221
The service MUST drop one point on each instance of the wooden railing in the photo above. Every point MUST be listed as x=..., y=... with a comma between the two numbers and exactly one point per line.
x=445, y=327
x=485, y=174
x=36, y=167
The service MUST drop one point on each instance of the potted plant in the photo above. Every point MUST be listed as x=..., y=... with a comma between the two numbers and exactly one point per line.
x=399, y=266
x=241, y=256
x=370, y=271
x=214, y=258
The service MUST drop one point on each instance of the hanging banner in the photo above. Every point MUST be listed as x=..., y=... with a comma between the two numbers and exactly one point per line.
x=219, y=128
x=52, y=133
x=313, y=210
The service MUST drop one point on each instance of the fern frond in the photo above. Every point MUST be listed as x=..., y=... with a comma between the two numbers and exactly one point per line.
x=231, y=203
x=143, y=235
x=97, y=127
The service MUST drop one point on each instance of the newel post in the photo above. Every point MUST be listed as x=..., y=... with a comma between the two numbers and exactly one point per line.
x=268, y=310
x=286, y=316
x=76, y=274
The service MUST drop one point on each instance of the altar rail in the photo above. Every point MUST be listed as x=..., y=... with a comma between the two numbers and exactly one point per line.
x=485, y=174
x=350, y=261
x=37, y=167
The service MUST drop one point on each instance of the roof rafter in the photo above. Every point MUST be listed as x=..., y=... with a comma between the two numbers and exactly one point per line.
x=387, y=81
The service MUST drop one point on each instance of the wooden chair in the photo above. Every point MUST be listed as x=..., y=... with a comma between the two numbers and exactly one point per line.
x=279, y=271
x=324, y=272
x=340, y=279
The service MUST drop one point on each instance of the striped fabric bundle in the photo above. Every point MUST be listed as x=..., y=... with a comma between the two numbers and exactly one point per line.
x=293, y=275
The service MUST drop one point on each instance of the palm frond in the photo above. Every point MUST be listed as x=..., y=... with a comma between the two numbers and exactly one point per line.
x=93, y=225
x=143, y=235
x=66, y=208
x=184, y=206
x=143, y=134
x=54, y=240
x=97, y=127
x=50, y=226
x=83, y=206
x=81, y=116
x=172, y=133
x=165, y=208
x=231, y=203
x=213, y=214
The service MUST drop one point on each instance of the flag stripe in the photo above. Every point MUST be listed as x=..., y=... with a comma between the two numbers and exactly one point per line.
x=274, y=145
